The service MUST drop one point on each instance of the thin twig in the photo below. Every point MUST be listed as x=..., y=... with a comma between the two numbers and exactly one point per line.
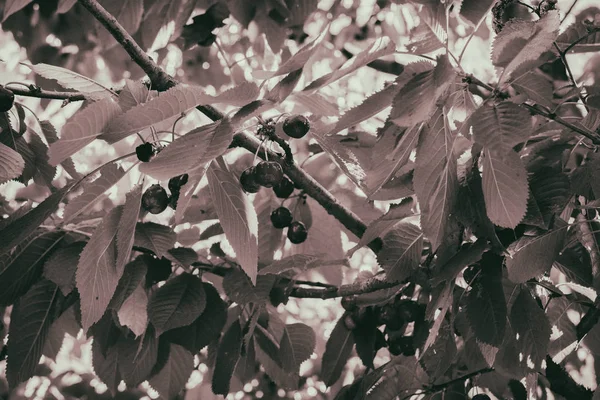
x=569, y=11
x=48, y=94
x=442, y=386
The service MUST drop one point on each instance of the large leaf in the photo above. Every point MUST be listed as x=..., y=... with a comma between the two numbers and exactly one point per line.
x=31, y=319
x=106, y=365
x=126, y=228
x=132, y=312
x=137, y=357
x=563, y=329
x=12, y=6
x=82, y=129
x=523, y=41
x=403, y=376
x=531, y=325
x=133, y=275
x=11, y=164
x=416, y=101
x=164, y=21
x=533, y=255
x=501, y=126
x=383, y=224
x=237, y=216
x=177, y=303
x=191, y=152
x=171, y=103
x=155, y=237
x=580, y=32
x=51, y=136
x=62, y=265
x=297, y=345
x=45, y=173
x=228, y=354
x=172, y=377
x=536, y=87
x=18, y=229
x=206, y=328
x=133, y=94
x=127, y=12
x=435, y=179
x=22, y=268
x=337, y=351
x=430, y=34
x=474, y=10
x=486, y=309
x=97, y=275
x=72, y=80
x=505, y=188
x=401, y=251
x=381, y=47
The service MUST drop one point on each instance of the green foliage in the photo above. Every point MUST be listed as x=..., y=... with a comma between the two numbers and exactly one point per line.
x=433, y=168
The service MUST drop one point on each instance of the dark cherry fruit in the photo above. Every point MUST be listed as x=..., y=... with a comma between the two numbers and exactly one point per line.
x=296, y=126
x=481, y=396
x=158, y=270
x=349, y=303
x=284, y=188
x=145, y=152
x=248, y=180
x=177, y=182
x=7, y=99
x=155, y=199
x=268, y=173
x=297, y=232
x=349, y=322
x=281, y=217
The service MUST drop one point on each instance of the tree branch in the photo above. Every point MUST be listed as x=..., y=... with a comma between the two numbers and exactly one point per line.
x=442, y=386
x=47, y=94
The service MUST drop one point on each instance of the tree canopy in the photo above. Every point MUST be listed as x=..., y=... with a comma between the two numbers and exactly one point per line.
x=328, y=199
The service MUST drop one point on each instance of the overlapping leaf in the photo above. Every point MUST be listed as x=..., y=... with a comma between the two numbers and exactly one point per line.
x=191, y=151
x=586, y=37
x=337, y=351
x=61, y=266
x=533, y=255
x=237, y=216
x=155, y=237
x=486, y=310
x=416, y=101
x=172, y=377
x=505, y=188
x=523, y=41
x=133, y=94
x=429, y=35
x=501, y=126
x=22, y=268
x=138, y=357
x=31, y=319
x=436, y=179
x=12, y=6
x=228, y=355
x=71, y=80
x=401, y=251
x=132, y=313
x=126, y=228
x=474, y=10
x=97, y=276
x=127, y=12
x=536, y=87
x=83, y=128
x=177, y=303
x=133, y=274
x=11, y=164
x=110, y=174
x=297, y=345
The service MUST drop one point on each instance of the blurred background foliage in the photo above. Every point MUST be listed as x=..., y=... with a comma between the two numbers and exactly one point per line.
x=64, y=34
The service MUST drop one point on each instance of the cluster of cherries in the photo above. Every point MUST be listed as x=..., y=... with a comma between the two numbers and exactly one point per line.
x=156, y=199
x=269, y=174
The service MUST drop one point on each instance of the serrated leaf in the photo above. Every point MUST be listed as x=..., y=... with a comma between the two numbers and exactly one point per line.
x=401, y=251
x=580, y=33
x=97, y=277
x=171, y=103
x=486, y=309
x=51, y=136
x=11, y=164
x=563, y=330
x=436, y=179
x=192, y=151
x=172, y=377
x=133, y=274
x=65, y=324
x=126, y=228
x=441, y=355
x=237, y=216
x=401, y=377
x=523, y=41
x=228, y=355
x=156, y=237
x=71, y=80
x=12, y=6
x=381, y=47
x=416, y=101
x=177, y=303
x=132, y=312
x=505, y=188
x=61, y=266
x=206, y=328
x=186, y=196
x=82, y=129
x=164, y=21
x=133, y=94
x=214, y=230
x=536, y=87
x=239, y=288
x=45, y=173
x=127, y=12
x=137, y=357
x=383, y=224
x=31, y=319
x=20, y=228
x=429, y=35
x=529, y=322
x=22, y=268
x=239, y=95
x=284, y=87
x=297, y=345
x=285, y=380
x=316, y=103
x=501, y=126
x=531, y=256
x=23, y=148
x=183, y=256
x=474, y=10
x=337, y=351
